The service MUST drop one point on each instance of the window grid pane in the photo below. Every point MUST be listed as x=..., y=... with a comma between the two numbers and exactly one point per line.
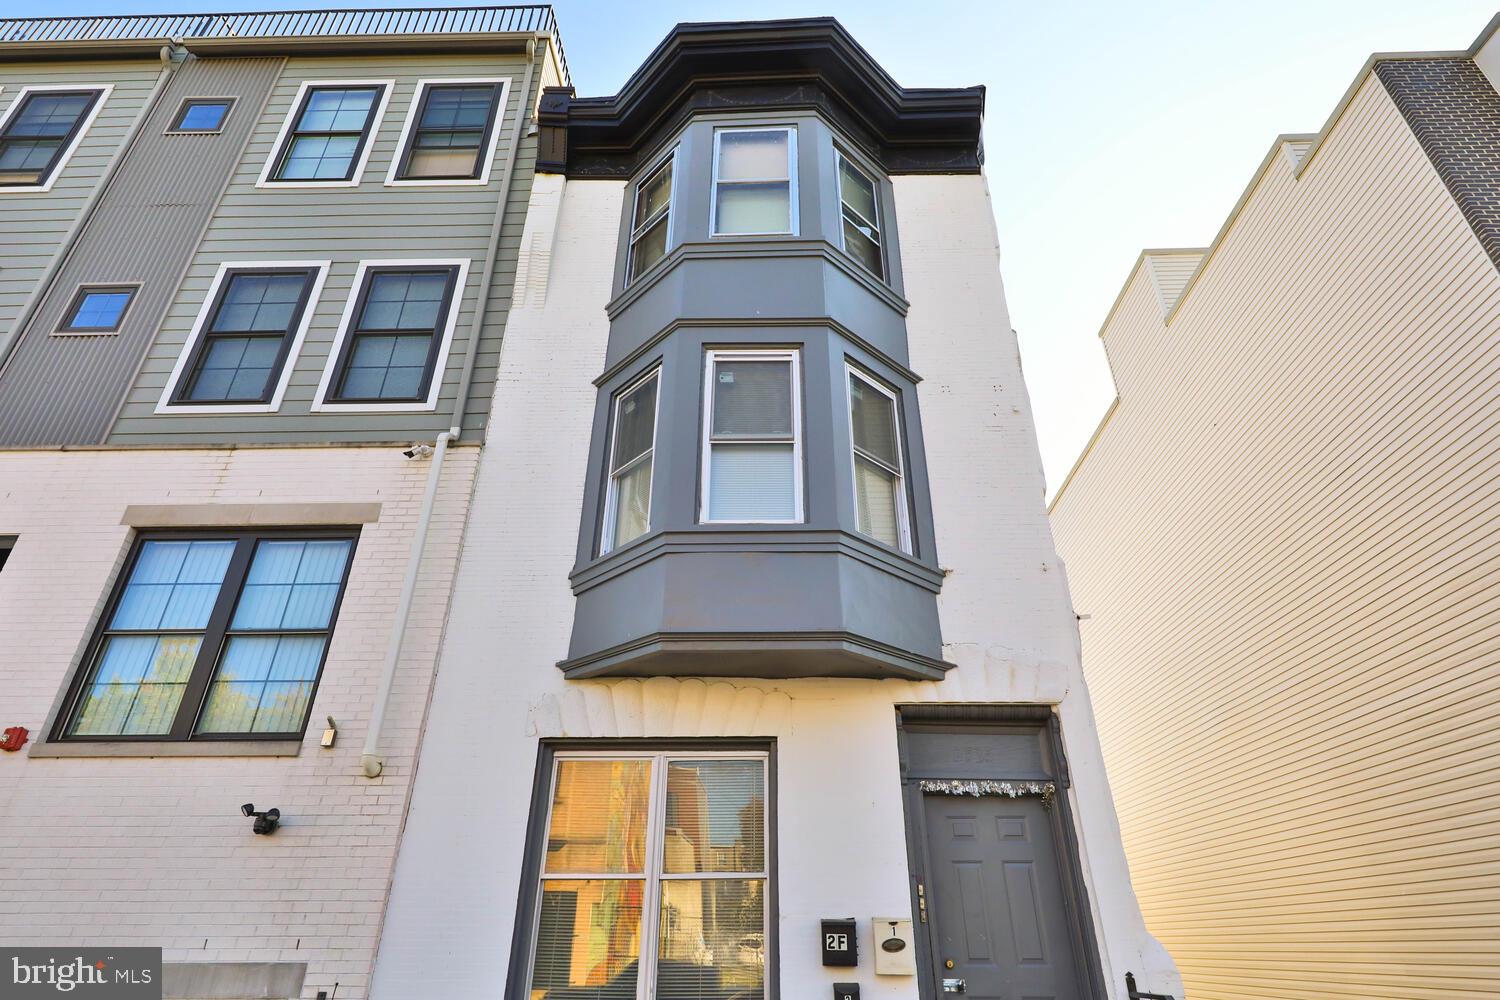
x=99, y=310
x=397, y=330
x=242, y=349
x=36, y=135
x=706, y=936
x=328, y=134
x=448, y=139
x=201, y=116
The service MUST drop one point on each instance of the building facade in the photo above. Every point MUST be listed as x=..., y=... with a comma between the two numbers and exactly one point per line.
x=254, y=273
x=761, y=677
x=1280, y=536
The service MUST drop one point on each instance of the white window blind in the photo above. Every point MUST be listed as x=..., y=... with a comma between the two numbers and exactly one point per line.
x=754, y=182
x=879, y=496
x=627, y=505
x=753, y=448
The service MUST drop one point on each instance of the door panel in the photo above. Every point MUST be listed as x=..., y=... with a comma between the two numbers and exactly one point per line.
x=996, y=896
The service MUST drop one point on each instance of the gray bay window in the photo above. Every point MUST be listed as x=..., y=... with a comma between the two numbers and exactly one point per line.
x=651, y=225
x=875, y=436
x=859, y=205
x=628, y=502
x=754, y=191
x=752, y=458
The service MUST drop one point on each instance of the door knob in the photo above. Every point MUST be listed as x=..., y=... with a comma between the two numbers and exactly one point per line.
x=948, y=964
x=953, y=986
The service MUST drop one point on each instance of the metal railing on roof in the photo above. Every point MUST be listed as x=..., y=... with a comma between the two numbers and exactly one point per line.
x=287, y=24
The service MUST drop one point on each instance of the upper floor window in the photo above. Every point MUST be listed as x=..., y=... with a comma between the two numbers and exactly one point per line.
x=213, y=635
x=97, y=309
x=653, y=879
x=879, y=490
x=247, y=332
x=7, y=543
x=202, y=114
x=754, y=189
x=326, y=138
x=627, y=504
x=752, y=449
x=859, y=203
x=651, y=223
x=40, y=132
x=451, y=133
x=395, y=334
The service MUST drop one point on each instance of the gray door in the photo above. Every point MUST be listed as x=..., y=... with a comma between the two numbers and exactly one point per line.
x=995, y=892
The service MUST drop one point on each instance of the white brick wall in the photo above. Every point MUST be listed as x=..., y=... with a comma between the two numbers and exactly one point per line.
x=1007, y=625
x=154, y=851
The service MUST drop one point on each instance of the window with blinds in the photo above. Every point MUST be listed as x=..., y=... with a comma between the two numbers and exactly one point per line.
x=627, y=504
x=752, y=463
x=651, y=225
x=653, y=879
x=875, y=433
x=754, y=182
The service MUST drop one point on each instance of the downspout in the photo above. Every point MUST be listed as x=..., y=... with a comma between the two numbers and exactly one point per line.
x=370, y=762
x=172, y=56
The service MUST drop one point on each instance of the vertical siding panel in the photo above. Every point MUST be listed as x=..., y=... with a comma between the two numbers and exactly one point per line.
x=1285, y=539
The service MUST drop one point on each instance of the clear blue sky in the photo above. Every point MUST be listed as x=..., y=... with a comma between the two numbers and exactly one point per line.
x=1111, y=126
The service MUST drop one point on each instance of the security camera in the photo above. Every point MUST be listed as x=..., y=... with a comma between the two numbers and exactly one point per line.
x=265, y=822
x=418, y=451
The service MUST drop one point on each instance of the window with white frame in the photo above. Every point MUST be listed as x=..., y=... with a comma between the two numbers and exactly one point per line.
x=451, y=132
x=400, y=323
x=41, y=130
x=326, y=137
x=651, y=225
x=859, y=203
x=627, y=503
x=654, y=878
x=879, y=490
x=752, y=448
x=754, y=189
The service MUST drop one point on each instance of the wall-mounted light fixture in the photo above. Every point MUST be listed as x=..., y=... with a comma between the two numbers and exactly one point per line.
x=265, y=822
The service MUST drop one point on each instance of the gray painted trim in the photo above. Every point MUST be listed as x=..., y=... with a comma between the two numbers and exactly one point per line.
x=969, y=717
x=250, y=515
x=753, y=538
x=232, y=980
x=531, y=859
x=165, y=748
x=632, y=359
x=764, y=654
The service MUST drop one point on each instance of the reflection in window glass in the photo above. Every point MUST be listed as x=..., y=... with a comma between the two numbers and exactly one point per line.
x=99, y=309
x=201, y=115
x=449, y=137
x=248, y=337
x=859, y=204
x=628, y=499
x=651, y=225
x=879, y=497
x=329, y=133
x=708, y=932
x=391, y=350
x=40, y=132
x=752, y=438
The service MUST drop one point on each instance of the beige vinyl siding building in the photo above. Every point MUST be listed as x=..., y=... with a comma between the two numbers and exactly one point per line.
x=1282, y=539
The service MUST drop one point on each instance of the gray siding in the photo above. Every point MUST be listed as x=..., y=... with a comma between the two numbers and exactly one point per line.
x=32, y=225
x=346, y=225
x=142, y=231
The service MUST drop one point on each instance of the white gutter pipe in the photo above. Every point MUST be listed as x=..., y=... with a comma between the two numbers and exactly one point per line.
x=369, y=761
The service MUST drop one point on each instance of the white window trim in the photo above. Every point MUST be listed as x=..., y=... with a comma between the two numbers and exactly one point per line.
x=877, y=223
x=791, y=168
x=635, y=231
x=612, y=488
x=265, y=181
x=903, y=518
x=200, y=330
x=706, y=457
x=655, y=845
x=104, y=89
x=322, y=404
x=205, y=99
x=391, y=180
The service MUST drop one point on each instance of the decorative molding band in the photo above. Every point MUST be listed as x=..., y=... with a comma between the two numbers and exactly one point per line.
x=1044, y=790
x=247, y=515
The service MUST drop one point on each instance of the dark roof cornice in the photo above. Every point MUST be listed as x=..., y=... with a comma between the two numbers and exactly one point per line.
x=762, y=65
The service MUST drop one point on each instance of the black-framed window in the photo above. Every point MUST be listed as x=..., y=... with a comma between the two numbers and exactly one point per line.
x=202, y=114
x=655, y=876
x=247, y=336
x=390, y=350
x=330, y=129
x=40, y=133
x=451, y=133
x=97, y=309
x=859, y=204
x=212, y=635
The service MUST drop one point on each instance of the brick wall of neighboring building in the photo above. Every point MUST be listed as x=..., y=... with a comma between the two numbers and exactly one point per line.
x=154, y=851
x=1455, y=115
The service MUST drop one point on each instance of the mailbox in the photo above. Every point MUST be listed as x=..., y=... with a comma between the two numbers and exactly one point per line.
x=839, y=946
x=845, y=991
x=895, y=948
